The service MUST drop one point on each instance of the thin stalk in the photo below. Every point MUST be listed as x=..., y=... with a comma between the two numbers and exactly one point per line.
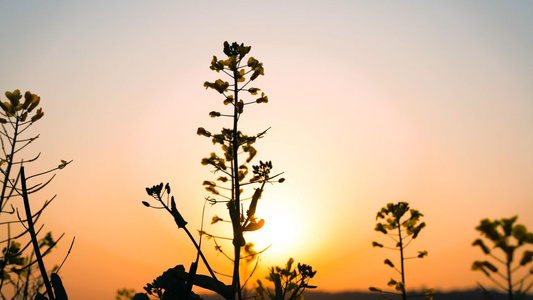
x=404, y=296
x=237, y=230
x=31, y=230
x=9, y=162
x=193, y=241
x=509, y=281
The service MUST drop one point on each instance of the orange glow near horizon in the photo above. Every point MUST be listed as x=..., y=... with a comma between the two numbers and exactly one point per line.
x=369, y=103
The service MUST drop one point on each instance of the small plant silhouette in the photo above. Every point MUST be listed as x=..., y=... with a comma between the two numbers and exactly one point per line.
x=508, y=237
x=232, y=169
x=23, y=251
x=403, y=231
x=289, y=283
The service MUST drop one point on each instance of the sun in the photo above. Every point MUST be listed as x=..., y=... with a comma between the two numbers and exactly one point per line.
x=283, y=231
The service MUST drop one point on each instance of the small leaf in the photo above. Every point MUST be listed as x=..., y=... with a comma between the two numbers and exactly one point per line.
x=214, y=114
x=263, y=99
x=253, y=91
x=38, y=114
x=421, y=254
x=240, y=106
x=202, y=131
x=376, y=244
x=62, y=165
x=253, y=226
x=381, y=228
x=145, y=203
x=388, y=262
x=526, y=258
x=480, y=243
x=177, y=216
x=59, y=290
x=216, y=219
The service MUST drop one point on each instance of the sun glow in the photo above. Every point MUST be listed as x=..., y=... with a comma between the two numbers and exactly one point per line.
x=283, y=231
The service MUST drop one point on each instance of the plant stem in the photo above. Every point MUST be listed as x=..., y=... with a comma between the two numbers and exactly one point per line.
x=9, y=163
x=34, y=241
x=404, y=296
x=237, y=230
x=509, y=281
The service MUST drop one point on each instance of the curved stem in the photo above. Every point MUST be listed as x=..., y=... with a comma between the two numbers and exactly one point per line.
x=34, y=236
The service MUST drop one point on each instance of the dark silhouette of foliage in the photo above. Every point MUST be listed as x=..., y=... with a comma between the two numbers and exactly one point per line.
x=125, y=294
x=23, y=251
x=403, y=231
x=233, y=177
x=508, y=237
x=289, y=283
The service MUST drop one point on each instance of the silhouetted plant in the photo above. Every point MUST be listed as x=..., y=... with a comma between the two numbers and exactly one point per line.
x=508, y=237
x=288, y=283
x=403, y=231
x=23, y=250
x=125, y=294
x=233, y=177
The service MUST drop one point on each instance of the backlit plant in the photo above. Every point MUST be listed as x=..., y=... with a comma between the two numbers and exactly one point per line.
x=22, y=271
x=232, y=181
x=402, y=229
x=289, y=282
x=506, y=237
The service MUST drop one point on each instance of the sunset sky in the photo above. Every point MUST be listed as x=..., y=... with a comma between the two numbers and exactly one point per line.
x=371, y=102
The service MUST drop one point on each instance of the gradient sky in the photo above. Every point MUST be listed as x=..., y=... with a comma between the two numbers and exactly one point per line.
x=371, y=102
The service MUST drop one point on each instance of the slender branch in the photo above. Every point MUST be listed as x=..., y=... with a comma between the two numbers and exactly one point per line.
x=34, y=237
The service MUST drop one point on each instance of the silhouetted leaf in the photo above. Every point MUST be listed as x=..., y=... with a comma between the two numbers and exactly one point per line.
x=488, y=228
x=202, y=131
x=400, y=286
x=253, y=226
x=253, y=91
x=140, y=296
x=240, y=106
x=59, y=290
x=262, y=99
x=40, y=296
x=380, y=228
x=177, y=216
x=38, y=114
x=376, y=244
x=526, y=258
x=520, y=233
x=480, y=243
x=388, y=262
x=421, y=254
x=62, y=165
x=214, y=114
x=216, y=219
x=253, y=204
